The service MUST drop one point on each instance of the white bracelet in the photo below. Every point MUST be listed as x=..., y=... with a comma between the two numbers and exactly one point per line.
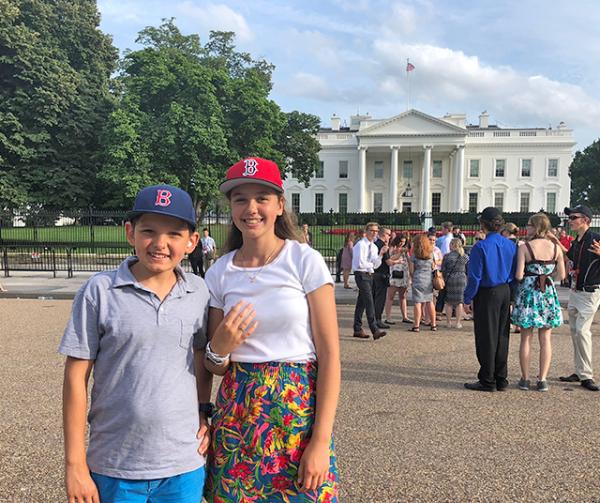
x=215, y=358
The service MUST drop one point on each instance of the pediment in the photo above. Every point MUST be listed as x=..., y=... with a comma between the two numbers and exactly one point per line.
x=412, y=123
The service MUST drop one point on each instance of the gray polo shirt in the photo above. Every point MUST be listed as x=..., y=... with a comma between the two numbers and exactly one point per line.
x=144, y=407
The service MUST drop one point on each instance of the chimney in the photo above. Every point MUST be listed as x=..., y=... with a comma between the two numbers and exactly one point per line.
x=335, y=123
x=484, y=119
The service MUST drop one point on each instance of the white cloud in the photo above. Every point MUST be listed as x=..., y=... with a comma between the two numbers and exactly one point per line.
x=447, y=76
x=120, y=11
x=210, y=16
x=310, y=85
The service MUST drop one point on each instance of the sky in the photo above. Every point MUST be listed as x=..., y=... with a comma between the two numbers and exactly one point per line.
x=528, y=63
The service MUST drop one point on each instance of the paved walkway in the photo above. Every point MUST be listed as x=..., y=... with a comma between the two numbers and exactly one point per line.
x=33, y=285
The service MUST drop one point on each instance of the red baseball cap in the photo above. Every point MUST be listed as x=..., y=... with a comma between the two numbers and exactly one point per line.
x=253, y=170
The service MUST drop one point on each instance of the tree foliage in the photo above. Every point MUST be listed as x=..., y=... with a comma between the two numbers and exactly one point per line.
x=55, y=67
x=187, y=111
x=585, y=188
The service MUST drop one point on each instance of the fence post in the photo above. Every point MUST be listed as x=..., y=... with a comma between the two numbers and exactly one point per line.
x=5, y=262
x=92, y=240
x=69, y=262
x=53, y=262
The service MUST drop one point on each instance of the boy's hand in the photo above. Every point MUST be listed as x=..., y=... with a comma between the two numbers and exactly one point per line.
x=314, y=466
x=234, y=329
x=203, y=435
x=80, y=486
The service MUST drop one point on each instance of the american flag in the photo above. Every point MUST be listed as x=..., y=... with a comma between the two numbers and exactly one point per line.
x=409, y=66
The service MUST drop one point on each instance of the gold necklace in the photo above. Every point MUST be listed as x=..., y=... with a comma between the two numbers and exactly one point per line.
x=252, y=277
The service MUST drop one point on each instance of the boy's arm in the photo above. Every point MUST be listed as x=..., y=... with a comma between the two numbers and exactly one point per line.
x=78, y=481
x=204, y=387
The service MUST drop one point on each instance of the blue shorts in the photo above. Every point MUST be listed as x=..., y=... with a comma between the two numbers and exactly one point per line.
x=184, y=488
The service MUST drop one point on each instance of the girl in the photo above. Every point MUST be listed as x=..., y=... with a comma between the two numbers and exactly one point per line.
x=347, y=258
x=421, y=266
x=454, y=269
x=399, y=278
x=536, y=302
x=273, y=334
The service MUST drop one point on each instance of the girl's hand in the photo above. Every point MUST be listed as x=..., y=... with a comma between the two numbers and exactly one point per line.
x=234, y=329
x=314, y=466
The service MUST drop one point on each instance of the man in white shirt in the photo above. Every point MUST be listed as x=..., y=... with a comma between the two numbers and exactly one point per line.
x=443, y=242
x=366, y=257
x=209, y=249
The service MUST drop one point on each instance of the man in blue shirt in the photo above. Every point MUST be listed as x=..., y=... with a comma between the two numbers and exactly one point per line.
x=491, y=269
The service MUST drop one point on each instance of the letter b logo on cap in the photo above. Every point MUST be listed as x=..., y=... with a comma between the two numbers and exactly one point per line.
x=250, y=167
x=163, y=197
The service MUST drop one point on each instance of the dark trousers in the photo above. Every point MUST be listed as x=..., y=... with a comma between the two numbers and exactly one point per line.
x=364, y=282
x=491, y=318
x=380, y=286
x=197, y=265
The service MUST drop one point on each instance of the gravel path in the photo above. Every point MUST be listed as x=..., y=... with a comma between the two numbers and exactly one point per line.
x=406, y=430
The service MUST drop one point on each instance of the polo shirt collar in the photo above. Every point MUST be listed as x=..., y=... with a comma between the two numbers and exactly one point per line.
x=124, y=277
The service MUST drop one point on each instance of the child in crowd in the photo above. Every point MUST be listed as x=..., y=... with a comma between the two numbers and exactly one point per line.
x=273, y=334
x=399, y=278
x=137, y=328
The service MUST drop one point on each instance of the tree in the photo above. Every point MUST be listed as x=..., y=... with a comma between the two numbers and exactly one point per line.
x=187, y=111
x=585, y=188
x=55, y=67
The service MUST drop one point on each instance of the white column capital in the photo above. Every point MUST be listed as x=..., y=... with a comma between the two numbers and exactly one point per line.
x=362, y=147
x=427, y=147
x=460, y=147
x=394, y=147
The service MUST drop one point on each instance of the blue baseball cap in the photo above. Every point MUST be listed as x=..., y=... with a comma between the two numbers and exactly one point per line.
x=164, y=200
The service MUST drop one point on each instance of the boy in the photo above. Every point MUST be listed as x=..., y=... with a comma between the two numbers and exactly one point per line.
x=142, y=328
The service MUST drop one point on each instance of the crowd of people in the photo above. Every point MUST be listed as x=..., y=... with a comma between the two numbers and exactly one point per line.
x=507, y=278
x=265, y=320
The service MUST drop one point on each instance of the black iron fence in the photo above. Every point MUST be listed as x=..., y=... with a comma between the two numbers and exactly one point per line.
x=93, y=240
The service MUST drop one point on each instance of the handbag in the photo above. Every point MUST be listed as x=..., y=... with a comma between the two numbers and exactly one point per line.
x=438, y=280
x=397, y=274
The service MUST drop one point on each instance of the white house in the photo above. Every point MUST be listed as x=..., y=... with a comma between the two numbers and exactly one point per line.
x=416, y=162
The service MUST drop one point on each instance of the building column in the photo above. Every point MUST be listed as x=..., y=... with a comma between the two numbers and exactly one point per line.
x=426, y=180
x=362, y=177
x=450, y=201
x=394, y=178
x=460, y=178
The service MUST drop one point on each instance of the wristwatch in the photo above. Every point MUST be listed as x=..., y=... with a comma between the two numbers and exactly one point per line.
x=207, y=408
x=214, y=357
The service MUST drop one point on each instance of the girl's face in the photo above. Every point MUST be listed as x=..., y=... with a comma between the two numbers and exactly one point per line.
x=254, y=209
x=530, y=229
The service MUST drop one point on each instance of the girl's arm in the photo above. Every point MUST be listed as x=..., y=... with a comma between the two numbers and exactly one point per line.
x=78, y=482
x=520, y=268
x=560, y=270
x=314, y=465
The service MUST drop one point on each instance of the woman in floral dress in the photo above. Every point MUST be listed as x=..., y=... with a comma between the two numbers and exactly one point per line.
x=273, y=334
x=536, y=301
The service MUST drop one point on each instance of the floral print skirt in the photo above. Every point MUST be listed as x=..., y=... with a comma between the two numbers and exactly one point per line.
x=265, y=413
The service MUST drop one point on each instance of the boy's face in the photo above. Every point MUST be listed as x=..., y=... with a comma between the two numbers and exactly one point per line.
x=160, y=241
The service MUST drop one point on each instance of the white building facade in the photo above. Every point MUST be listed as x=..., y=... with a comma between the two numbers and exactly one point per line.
x=414, y=162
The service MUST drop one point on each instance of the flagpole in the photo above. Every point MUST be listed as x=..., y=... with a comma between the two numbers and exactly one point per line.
x=407, y=86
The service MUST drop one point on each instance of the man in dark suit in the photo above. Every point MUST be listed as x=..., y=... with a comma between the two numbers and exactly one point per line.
x=381, y=277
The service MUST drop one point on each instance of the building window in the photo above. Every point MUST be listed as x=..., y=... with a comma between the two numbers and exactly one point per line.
x=500, y=168
x=553, y=167
x=296, y=202
x=526, y=168
x=319, y=202
x=406, y=207
x=474, y=168
x=499, y=201
x=343, y=169
x=436, y=202
x=320, y=171
x=378, y=172
x=551, y=202
x=473, y=202
x=407, y=169
x=377, y=202
x=437, y=169
x=524, y=202
x=342, y=202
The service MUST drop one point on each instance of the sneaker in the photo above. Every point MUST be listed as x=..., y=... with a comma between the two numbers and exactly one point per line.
x=524, y=384
x=542, y=385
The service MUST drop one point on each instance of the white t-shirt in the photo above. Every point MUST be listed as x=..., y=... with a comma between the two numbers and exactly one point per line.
x=278, y=295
